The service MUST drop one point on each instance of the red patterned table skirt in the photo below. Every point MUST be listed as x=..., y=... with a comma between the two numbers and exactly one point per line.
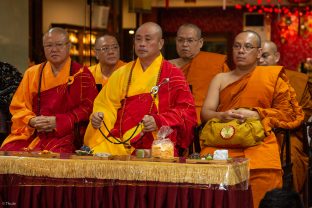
x=29, y=191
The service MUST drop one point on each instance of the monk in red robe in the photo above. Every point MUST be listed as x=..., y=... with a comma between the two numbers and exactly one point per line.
x=108, y=54
x=299, y=81
x=259, y=93
x=50, y=100
x=198, y=67
x=141, y=97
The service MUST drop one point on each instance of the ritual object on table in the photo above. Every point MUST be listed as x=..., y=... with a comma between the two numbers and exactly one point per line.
x=163, y=147
x=103, y=155
x=84, y=151
x=220, y=155
x=195, y=156
x=96, y=156
x=143, y=153
x=48, y=154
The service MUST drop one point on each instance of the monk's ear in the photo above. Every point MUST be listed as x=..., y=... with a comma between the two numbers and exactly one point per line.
x=68, y=45
x=277, y=57
x=259, y=51
x=96, y=54
x=201, y=42
x=161, y=43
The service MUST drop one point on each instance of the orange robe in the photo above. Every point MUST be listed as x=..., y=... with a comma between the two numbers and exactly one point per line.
x=200, y=71
x=68, y=98
x=299, y=158
x=266, y=90
x=100, y=79
x=303, y=88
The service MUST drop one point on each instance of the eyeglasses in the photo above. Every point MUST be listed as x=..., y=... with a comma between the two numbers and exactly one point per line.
x=105, y=49
x=246, y=47
x=58, y=46
x=189, y=41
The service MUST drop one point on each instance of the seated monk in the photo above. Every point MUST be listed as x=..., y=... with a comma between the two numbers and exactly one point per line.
x=108, y=54
x=259, y=93
x=50, y=99
x=141, y=97
x=299, y=81
x=198, y=67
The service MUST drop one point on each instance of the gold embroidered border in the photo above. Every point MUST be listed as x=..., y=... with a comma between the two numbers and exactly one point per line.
x=225, y=173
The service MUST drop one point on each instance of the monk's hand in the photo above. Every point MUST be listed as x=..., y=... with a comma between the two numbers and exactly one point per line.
x=51, y=123
x=43, y=123
x=248, y=113
x=32, y=122
x=231, y=115
x=96, y=119
x=46, y=123
x=149, y=123
x=38, y=122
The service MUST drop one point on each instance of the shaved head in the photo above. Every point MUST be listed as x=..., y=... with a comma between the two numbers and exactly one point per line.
x=148, y=42
x=188, y=41
x=257, y=36
x=56, y=46
x=246, y=50
x=271, y=45
x=107, y=50
x=192, y=26
x=56, y=30
x=100, y=39
x=153, y=27
x=270, y=55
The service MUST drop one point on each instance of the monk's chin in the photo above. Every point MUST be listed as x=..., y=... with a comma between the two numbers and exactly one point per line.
x=186, y=56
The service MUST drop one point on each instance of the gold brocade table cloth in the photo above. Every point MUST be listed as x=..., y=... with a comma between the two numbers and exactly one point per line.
x=227, y=173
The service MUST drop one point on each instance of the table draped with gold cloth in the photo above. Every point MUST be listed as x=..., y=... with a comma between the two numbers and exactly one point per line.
x=55, y=182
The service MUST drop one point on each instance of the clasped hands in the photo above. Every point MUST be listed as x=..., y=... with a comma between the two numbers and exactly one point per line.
x=148, y=122
x=241, y=114
x=43, y=123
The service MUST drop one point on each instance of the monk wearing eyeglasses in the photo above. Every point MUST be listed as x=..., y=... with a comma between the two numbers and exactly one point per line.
x=107, y=52
x=303, y=88
x=199, y=67
x=51, y=98
x=252, y=92
x=140, y=98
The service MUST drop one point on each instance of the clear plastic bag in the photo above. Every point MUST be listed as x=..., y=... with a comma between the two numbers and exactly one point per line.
x=163, y=147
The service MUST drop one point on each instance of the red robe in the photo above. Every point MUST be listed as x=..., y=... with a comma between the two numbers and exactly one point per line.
x=182, y=122
x=175, y=109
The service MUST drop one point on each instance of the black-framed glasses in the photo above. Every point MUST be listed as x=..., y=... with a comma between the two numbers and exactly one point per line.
x=189, y=41
x=246, y=47
x=105, y=49
x=58, y=46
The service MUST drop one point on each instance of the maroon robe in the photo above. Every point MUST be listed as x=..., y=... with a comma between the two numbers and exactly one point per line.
x=70, y=104
x=175, y=109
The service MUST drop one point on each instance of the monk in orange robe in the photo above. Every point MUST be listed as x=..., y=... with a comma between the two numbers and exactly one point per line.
x=50, y=99
x=140, y=98
x=108, y=54
x=299, y=81
x=198, y=67
x=258, y=93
